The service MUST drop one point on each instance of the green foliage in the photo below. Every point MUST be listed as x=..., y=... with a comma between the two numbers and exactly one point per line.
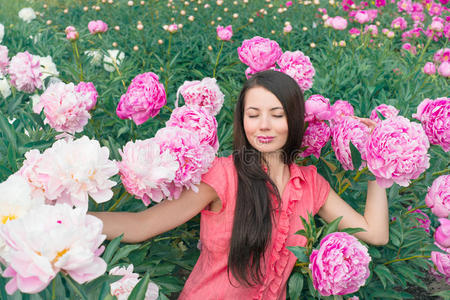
x=361, y=73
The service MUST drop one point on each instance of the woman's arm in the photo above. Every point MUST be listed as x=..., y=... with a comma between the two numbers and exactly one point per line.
x=376, y=214
x=157, y=219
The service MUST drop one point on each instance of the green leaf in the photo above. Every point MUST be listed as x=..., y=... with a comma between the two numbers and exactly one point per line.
x=12, y=157
x=76, y=287
x=352, y=230
x=356, y=156
x=7, y=131
x=138, y=292
x=299, y=252
x=443, y=294
x=384, y=274
x=380, y=116
x=111, y=249
x=295, y=286
x=332, y=226
x=301, y=232
x=123, y=252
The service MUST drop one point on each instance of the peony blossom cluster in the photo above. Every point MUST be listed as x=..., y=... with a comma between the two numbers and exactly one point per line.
x=97, y=27
x=299, y=67
x=435, y=118
x=124, y=286
x=205, y=93
x=340, y=266
x=70, y=172
x=341, y=108
x=146, y=171
x=317, y=107
x=88, y=90
x=71, y=33
x=397, y=151
x=315, y=138
x=144, y=98
x=387, y=111
x=347, y=130
x=25, y=72
x=224, y=33
x=65, y=109
x=50, y=239
x=438, y=196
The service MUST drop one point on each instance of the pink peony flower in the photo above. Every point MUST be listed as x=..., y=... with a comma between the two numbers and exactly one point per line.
x=442, y=55
x=88, y=90
x=4, y=60
x=354, y=32
x=444, y=69
x=259, y=53
x=442, y=262
x=346, y=4
x=172, y=28
x=435, y=9
x=410, y=48
x=30, y=170
x=298, y=66
x=146, y=171
x=338, y=23
x=387, y=111
x=50, y=239
x=65, y=109
x=399, y=23
x=438, y=196
x=71, y=33
x=224, y=33
x=197, y=120
x=340, y=266
x=397, y=151
x=429, y=68
x=205, y=93
x=345, y=130
x=315, y=138
x=371, y=29
x=362, y=16
x=442, y=234
x=25, y=72
x=144, y=98
x=317, y=107
x=124, y=286
x=287, y=28
x=288, y=3
x=405, y=5
x=423, y=219
x=380, y=3
x=435, y=118
x=194, y=159
x=97, y=27
x=341, y=108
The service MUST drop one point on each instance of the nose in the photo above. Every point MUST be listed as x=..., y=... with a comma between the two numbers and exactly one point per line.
x=264, y=123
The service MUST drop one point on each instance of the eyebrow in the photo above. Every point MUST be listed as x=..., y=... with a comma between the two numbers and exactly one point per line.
x=274, y=108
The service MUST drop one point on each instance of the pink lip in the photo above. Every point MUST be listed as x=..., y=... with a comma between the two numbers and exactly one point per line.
x=265, y=139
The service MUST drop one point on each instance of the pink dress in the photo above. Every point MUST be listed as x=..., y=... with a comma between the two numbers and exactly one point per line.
x=305, y=192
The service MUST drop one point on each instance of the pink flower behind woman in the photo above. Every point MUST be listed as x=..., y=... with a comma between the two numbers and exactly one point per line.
x=387, y=111
x=397, y=151
x=442, y=234
x=124, y=286
x=340, y=266
x=338, y=23
x=317, y=107
x=341, y=108
x=224, y=33
x=97, y=27
x=25, y=72
x=315, y=138
x=299, y=67
x=144, y=98
x=438, y=196
x=259, y=53
x=205, y=93
x=399, y=23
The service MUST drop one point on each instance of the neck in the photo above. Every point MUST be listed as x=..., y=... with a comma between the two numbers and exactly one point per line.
x=275, y=165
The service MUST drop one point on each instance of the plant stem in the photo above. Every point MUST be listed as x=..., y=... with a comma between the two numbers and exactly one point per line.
x=217, y=59
x=356, y=178
x=117, y=70
x=166, y=82
x=76, y=54
x=421, y=178
x=117, y=202
x=406, y=258
x=53, y=289
x=302, y=264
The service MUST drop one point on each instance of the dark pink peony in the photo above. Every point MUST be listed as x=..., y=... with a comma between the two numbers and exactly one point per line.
x=259, y=53
x=144, y=98
x=317, y=107
x=224, y=33
x=315, y=138
x=387, y=111
x=442, y=234
x=341, y=108
x=205, y=93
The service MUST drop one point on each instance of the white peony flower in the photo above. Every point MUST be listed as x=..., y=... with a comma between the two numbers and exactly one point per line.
x=96, y=57
x=2, y=32
x=113, y=56
x=5, y=89
x=124, y=286
x=27, y=14
x=48, y=67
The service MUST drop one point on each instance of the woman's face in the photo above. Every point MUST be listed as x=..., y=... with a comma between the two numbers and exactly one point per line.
x=265, y=122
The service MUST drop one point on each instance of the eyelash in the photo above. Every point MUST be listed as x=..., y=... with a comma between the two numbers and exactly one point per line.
x=279, y=116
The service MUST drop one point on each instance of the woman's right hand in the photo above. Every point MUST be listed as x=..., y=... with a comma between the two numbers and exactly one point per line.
x=164, y=216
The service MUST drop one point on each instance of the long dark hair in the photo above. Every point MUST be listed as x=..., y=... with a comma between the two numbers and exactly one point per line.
x=252, y=225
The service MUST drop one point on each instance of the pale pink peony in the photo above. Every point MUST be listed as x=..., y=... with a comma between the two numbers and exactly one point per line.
x=146, y=171
x=205, y=93
x=30, y=170
x=362, y=16
x=299, y=67
x=25, y=72
x=442, y=55
x=97, y=27
x=194, y=159
x=442, y=262
x=444, y=69
x=124, y=286
x=197, y=120
x=317, y=107
x=259, y=53
x=397, y=151
x=340, y=266
x=341, y=108
x=399, y=23
x=50, y=239
x=387, y=111
x=64, y=109
x=410, y=48
x=87, y=89
x=438, y=196
x=338, y=23
x=144, y=98
x=371, y=29
x=71, y=33
x=315, y=138
x=429, y=68
x=442, y=234
x=435, y=118
x=4, y=60
x=224, y=33
x=172, y=28
x=345, y=130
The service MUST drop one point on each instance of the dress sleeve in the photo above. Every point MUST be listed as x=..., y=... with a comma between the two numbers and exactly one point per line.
x=217, y=178
x=321, y=191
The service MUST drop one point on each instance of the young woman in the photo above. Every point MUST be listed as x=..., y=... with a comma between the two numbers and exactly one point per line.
x=250, y=202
